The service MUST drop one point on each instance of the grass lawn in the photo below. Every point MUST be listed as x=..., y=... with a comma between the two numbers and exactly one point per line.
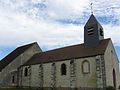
x=16, y=89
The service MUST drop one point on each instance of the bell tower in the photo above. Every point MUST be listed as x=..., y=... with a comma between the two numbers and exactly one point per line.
x=93, y=32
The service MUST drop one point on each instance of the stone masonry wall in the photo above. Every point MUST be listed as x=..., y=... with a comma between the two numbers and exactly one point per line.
x=111, y=62
x=81, y=79
x=5, y=78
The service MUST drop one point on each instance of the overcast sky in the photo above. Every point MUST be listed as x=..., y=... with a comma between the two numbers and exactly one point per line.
x=54, y=23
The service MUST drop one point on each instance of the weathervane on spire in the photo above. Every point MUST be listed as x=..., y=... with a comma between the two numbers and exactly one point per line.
x=91, y=8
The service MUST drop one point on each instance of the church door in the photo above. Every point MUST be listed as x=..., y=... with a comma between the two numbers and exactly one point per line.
x=114, y=78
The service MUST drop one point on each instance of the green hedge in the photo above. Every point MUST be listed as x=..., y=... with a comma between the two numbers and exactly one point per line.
x=110, y=88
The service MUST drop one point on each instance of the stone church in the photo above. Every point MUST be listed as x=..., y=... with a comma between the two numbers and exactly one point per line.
x=87, y=66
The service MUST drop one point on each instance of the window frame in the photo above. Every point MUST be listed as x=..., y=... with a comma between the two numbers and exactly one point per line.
x=63, y=69
x=13, y=79
x=83, y=70
x=26, y=71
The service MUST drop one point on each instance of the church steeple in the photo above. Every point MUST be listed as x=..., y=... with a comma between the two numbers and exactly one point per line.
x=93, y=32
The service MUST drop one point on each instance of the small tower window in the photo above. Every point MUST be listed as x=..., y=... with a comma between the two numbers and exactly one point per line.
x=101, y=32
x=90, y=30
x=63, y=69
x=85, y=67
x=26, y=72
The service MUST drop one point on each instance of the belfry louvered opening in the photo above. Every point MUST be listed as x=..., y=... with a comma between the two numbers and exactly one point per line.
x=90, y=30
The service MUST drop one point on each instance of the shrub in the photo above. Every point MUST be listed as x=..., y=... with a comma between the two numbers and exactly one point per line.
x=110, y=88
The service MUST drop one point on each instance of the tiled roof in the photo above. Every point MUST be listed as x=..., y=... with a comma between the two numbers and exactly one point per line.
x=10, y=57
x=70, y=52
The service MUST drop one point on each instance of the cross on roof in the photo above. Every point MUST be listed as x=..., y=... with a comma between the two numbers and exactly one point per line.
x=91, y=8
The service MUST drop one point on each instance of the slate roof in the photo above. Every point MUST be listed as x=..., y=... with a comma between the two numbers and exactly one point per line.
x=92, y=21
x=70, y=52
x=10, y=57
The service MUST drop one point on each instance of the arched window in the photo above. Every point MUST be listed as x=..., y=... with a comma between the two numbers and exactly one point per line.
x=26, y=71
x=114, y=78
x=13, y=79
x=63, y=69
x=85, y=67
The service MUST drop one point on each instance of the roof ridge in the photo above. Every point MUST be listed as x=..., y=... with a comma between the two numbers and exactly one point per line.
x=71, y=46
x=30, y=44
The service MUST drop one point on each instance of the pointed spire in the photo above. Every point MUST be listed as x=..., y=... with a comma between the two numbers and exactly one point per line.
x=92, y=20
